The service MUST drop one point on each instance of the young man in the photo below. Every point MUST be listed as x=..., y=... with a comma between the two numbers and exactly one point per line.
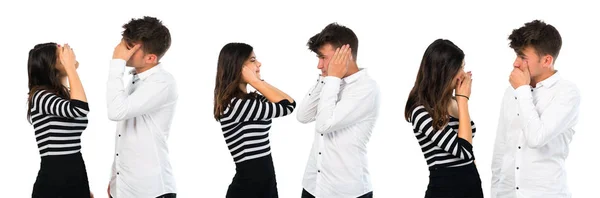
x=344, y=104
x=143, y=110
x=538, y=113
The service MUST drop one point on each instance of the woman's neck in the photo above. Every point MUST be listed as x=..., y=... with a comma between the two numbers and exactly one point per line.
x=65, y=81
x=243, y=87
x=453, y=108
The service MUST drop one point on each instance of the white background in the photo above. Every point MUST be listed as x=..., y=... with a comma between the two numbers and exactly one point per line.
x=392, y=39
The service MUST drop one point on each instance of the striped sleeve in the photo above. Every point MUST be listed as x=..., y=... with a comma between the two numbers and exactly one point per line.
x=52, y=104
x=444, y=138
x=243, y=110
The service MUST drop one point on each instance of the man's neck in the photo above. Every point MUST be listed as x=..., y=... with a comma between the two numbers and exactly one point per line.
x=352, y=69
x=542, y=77
x=139, y=70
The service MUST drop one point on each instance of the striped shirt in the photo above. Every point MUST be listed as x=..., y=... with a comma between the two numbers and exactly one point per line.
x=441, y=148
x=58, y=123
x=246, y=123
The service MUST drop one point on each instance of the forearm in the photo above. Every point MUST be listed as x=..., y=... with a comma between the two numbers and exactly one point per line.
x=77, y=92
x=464, y=124
x=289, y=98
x=270, y=92
x=307, y=109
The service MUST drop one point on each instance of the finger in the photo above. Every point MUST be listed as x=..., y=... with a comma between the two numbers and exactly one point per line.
x=457, y=83
x=526, y=66
x=345, y=56
x=336, y=55
x=460, y=81
x=60, y=51
x=135, y=48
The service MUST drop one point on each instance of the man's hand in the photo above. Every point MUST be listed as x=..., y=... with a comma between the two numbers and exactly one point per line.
x=122, y=52
x=520, y=77
x=338, y=65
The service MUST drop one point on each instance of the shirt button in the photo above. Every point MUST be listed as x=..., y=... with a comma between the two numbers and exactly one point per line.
x=117, y=173
x=117, y=154
x=321, y=134
x=515, y=97
x=119, y=135
x=517, y=168
x=319, y=171
x=319, y=153
x=308, y=94
x=517, y=114
x=517, y=188
x=519, y=147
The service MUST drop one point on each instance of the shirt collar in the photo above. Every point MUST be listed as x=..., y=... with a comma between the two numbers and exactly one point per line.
x=354, y=77
x=146, y=73
x=548, y=82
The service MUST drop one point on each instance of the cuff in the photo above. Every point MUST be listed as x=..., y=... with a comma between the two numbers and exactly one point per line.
x=80, y=104
x=523, y=92
x=117, y=66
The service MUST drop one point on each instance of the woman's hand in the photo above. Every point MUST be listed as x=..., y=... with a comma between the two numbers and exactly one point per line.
x=463, y=87
x=67, y=57
x=249, y=75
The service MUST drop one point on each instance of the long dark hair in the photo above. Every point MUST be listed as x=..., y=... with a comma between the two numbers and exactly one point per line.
x=434, y=84
x=229, y=76
x=42, y=72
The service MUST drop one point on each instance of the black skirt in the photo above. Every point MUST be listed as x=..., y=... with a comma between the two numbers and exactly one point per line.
x=62, y=176
x=254, y=178
x=458, y=182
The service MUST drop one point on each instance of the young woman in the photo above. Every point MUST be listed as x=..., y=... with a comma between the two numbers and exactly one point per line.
x=246, y=119
x=441, y=122
x=58, y=116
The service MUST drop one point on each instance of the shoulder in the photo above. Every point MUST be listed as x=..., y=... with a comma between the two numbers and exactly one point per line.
x=565, y=86
x=162, y=76
x=369, y=85
x=45, y=94
x=418, y=113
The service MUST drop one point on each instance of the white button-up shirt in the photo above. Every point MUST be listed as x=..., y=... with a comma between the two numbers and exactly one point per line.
x=344, y=111
x=532, y=141
x=143, y=111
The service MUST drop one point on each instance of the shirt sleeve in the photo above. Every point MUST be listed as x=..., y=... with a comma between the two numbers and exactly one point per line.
x=334, y=113
x=149, y=96
x=49, y=103
x=561, y=114
x=260, y=108
x=307, y=109
x=499, y=145
x=445, y=138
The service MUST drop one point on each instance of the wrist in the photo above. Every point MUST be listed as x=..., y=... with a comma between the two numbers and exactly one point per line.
x=256, y=82
x=71, y=70
x=462, y=101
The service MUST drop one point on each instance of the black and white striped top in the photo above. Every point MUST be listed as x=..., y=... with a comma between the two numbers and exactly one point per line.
x=441, y=148
x=58, y=123
x=246, y=123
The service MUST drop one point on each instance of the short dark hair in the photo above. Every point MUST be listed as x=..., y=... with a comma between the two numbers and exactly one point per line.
x=154, y=36
x=544, y=38
x=336, y=35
